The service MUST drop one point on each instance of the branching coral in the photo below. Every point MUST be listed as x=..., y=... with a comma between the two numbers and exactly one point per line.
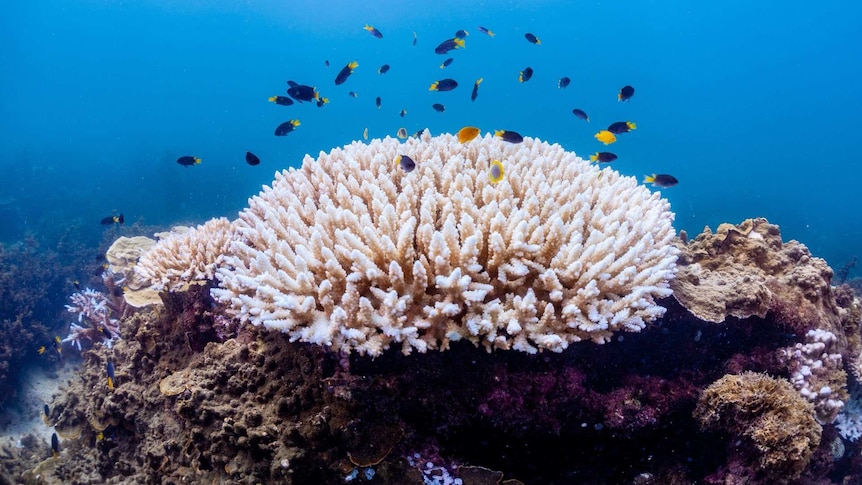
x=352, y=252
x=94, y=310
x=770, y=415
x=182, y=257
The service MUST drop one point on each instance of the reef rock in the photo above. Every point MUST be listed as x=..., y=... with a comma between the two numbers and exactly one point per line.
x=746, y=270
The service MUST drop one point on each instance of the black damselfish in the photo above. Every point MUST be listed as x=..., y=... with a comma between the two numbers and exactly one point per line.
x=188, y=161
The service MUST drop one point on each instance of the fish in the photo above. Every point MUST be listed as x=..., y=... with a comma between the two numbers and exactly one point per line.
x=414, y=39
x=251, y=159
x=371, y=30
x=564, y=82
x=418, y=133
x=486, y=31
x=188, y=161
x=468, y=133
x=438, y=107
x=55, y=445
x=496, y=172
x=365, y=134
x=282, y=100
x=476, y=89
x=41, y=349
x=345, y=72
x=662, y=180
x=622, y=127
x=581, y=114
x=110, y=220
x=443, y=85
x=109, y=373
x=326, y=63
x=286, y=127
x=603, y=157
x=383, y=69
x=532, y=38
x=301, y=92
x=106, y=333
x=446, y=63
x=626, y=93
x=403, y=112
x=353, y=94
x=461, y=34
x=526, y=74
x=377, y=102
x=46, y=415
x=509, y=136
x=448, y=45
x=401, y=133
x=605, y=137
x=322, y=101
x=406, y=163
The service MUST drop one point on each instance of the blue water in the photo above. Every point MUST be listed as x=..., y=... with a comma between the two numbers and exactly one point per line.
x=753, y=106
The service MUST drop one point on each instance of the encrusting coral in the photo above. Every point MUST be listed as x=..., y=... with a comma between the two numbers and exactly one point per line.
x=352, y=252
x=746, y=270
x=770, y=415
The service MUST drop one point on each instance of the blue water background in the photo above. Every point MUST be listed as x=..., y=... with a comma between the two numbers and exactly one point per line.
x=754, y=106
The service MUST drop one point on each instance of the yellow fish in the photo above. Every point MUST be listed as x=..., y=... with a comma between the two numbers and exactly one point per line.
x=605, y=137
x=365, y=134
x=496, y=172
x=468, y=133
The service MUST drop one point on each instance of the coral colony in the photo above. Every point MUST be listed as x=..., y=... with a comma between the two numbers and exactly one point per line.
x=94, y=312
x=342, y=253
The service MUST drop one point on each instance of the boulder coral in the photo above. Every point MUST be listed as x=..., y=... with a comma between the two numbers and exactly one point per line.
x=746, y=270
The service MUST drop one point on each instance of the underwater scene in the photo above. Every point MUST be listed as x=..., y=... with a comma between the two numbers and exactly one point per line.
x=443, y=243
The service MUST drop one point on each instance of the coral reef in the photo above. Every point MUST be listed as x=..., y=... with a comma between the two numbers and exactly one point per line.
x=769, y=424
x=200, y=397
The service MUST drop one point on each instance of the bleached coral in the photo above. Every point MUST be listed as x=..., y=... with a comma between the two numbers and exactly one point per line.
x=849, y=420
x=352, y=252
x=182, y=257
x=817, y=373
x=94, y=310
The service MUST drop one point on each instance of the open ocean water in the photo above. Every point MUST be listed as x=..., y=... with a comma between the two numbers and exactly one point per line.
x=753, y=106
